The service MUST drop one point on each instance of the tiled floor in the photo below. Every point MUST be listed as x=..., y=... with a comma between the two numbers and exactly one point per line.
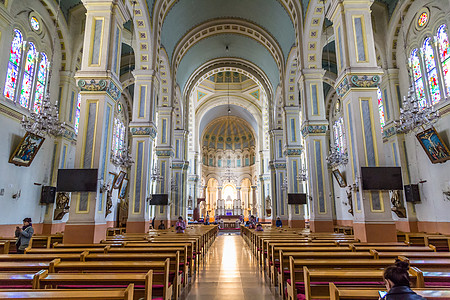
x=229, y=272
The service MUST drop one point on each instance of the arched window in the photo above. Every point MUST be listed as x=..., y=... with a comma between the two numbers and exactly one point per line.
x=380, y=108
x=40, y=84
x=444, y=54
x=430, y=66
x=28, y=74
x=77, y=113
x=339, y=138
x=13, y=65
x=417, y=76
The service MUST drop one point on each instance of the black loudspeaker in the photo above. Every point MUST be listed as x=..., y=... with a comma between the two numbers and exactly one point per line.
x=48, y=194
x=412, y=193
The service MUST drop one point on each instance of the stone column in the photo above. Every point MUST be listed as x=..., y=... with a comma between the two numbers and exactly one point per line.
x=143, y=133
x=264, y=179
x=293, y=152
x=278, y=173
x=64, y=145
x=356, y=85
x=238, y=200
x=100, y=87
x=314, y=130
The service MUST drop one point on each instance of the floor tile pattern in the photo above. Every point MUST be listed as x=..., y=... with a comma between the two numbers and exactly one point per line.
x=228, y=272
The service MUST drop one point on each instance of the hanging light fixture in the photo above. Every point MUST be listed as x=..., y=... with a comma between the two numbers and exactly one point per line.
x=412, y=115
x=46, y=121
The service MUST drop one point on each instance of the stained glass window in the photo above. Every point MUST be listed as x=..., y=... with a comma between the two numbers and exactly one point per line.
x=28, y=74
x=444, y=54
x=13, y=65
x=40, y=83
x=380, y=108
x=34, y=23
x=430, y=66
x=119, y=136
x=417, y=75
x=77, y=113
x=339, y=138
x=423, y=19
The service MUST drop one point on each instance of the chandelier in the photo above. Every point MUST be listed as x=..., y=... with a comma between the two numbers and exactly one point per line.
x=413, y=116
x=123, y=158
x=336, y=157
x=46, y=121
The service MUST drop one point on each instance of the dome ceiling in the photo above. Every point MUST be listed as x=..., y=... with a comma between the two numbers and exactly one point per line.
x=228, y=133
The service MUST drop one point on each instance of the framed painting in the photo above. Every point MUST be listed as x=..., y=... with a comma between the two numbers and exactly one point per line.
x=339, y=178
x=111, y=178
x=433, y=145
x=26, y=150
x=119, y=179
x=123, y=188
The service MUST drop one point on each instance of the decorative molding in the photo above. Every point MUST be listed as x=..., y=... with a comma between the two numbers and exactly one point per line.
x=10, y=112
x=314, y=129
x=357, y=81
x=293, y=152
x=279, y=165
x=177, y=166
x=389, y=132
x=141, y=131
x=101, y=85
x=264, y=177
x=167, y=153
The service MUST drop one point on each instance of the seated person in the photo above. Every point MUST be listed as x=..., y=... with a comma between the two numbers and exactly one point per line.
x=259, y=227
x=161, y=225
x=180, y=226
x=247, y=224
x=396, y=279
x=278, y=223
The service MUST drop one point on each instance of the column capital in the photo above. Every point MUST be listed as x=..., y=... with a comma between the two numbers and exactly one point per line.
x=144, y=74
x=314, y=128
x=103, y=5
x=348, y=81
x=293, y=151
x=98, y=84
x=143, y=129
x=311, y=74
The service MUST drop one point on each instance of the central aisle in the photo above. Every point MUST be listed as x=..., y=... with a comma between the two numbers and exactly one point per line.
x=230, y=271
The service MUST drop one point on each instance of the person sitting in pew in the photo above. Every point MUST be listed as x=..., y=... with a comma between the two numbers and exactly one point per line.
x=259, y=227
x=161, y=225
x=396, y=279
x=180, y=226
x=278, y=223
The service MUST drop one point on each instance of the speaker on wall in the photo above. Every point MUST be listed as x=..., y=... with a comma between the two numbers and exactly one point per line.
x=48, y=194
x=412, y=193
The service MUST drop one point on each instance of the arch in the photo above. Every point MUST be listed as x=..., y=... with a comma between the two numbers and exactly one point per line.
x=231, y=26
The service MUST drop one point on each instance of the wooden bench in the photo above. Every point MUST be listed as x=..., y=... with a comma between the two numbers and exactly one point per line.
x=118, y=267
x=410, y=254
x=84, y=294
x=4, y=247
x=347, y=293
x=54, y=280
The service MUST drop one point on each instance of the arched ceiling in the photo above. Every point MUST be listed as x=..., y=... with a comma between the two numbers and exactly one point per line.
x=228, y=133
x=222, y=110
x=268, y=14
x=238, y=47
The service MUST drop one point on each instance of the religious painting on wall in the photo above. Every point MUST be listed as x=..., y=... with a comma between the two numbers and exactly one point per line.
x=339, y=178
x=111, y=179
x=26, y=150
x=123, y=189
x=119, y=179
x=433, y=145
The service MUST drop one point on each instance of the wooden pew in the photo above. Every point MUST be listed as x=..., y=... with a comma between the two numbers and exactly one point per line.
x=4, y=247
x=23, y=266
x=45, y=280
x=84, y=294
x=428, y=263
x=58, y=266
x=24, y=280
x=40, y=257
x=64, y=250
x=363, y=275
x=410, y=254
x=356, y=247
x=347, y=293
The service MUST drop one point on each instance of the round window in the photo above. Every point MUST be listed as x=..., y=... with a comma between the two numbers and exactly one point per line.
x=34, y=22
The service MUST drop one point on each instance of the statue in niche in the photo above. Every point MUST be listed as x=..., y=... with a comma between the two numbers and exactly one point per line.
x=190, y=202
x=398, y=208
x=350, y=200
x=109, y=203
x=62, y=206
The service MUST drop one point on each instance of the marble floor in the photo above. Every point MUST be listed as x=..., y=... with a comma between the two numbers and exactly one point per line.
x=229, y=271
